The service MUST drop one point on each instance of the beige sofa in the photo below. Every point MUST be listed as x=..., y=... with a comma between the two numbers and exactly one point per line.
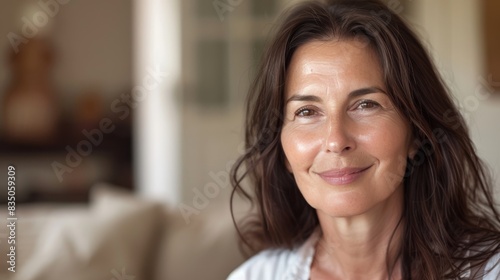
x=119, y=236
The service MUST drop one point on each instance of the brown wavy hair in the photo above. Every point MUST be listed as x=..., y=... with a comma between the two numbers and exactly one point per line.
x=450, y=222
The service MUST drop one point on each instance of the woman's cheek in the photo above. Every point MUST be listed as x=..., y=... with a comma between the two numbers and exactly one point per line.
x=378, y=131
x=301, y=143
x=368, y=134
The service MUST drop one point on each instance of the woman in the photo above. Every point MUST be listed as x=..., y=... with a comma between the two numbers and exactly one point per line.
x=362, y=165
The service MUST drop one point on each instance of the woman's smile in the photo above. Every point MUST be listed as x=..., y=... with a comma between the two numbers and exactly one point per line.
x=343, y=176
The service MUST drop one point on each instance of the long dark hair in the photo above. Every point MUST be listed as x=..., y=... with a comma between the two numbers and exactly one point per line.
x=450, y=220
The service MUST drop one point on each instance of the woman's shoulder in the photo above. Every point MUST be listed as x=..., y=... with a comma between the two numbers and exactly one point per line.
x=278, y=263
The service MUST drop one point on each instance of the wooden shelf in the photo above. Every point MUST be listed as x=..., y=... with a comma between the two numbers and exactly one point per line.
x=115, y=148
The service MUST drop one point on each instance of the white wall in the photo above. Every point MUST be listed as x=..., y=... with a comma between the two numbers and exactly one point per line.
x=157, y=47
x=452, y=28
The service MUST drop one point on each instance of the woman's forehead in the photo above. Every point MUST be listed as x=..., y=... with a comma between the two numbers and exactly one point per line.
x=333, y=63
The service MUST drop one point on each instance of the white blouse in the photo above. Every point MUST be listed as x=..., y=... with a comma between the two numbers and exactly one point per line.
x=283, y=264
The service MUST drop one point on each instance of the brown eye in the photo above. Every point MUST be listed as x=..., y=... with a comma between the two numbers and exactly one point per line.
x=367, y=105
x=305, y=112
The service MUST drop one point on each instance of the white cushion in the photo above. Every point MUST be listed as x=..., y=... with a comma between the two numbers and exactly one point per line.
x=112, y=239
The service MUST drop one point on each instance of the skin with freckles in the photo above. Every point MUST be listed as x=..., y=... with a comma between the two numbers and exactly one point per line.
x=346, y=146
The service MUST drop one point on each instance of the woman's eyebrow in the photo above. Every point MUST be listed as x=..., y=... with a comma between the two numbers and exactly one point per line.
x=354, y=93
x=367, y=90
x=301, y=97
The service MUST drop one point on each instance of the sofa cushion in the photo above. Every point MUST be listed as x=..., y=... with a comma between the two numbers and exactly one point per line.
x=205, y=247
x=32, y=219
x=111, y=239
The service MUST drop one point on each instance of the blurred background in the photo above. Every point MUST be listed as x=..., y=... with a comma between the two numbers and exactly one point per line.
x=147, y=97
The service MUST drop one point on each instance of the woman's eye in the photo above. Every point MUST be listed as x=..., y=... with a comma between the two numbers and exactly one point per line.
x=367, y=105
x=305, y=112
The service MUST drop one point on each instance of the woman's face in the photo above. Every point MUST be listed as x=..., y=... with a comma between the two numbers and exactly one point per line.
x=344, y=141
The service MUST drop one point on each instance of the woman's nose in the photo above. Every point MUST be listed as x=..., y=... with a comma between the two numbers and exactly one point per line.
x=338, y=138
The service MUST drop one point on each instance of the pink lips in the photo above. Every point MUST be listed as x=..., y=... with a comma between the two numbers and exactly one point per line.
x=342, y=176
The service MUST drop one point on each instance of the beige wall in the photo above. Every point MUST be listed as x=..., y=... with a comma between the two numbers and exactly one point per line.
x=93, y=42
x=452, y=29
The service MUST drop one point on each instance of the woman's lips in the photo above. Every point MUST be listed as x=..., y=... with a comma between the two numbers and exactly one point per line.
x=342, y=176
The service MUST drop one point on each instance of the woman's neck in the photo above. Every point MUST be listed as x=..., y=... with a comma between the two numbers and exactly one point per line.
x=361, y=247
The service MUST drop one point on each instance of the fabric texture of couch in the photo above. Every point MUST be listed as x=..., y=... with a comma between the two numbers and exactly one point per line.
x=119, y=236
